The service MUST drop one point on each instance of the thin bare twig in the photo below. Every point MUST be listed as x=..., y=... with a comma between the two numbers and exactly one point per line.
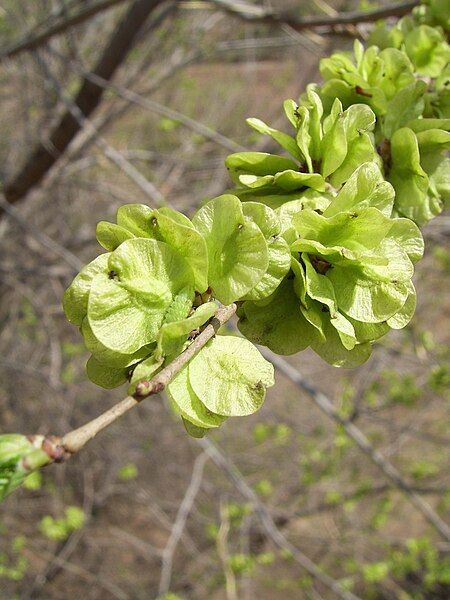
x=177, y=61
x=134, y=98
x=111, y=153
x=180, y=522
x=376, y=490
x=47, y=152
x=267, y=521
x=93, y=579
x=144, y=547
x=35, y=38
x=42, y=238
x=224, y=555
x=258, y=13
x=75, y=440
x=325, y=404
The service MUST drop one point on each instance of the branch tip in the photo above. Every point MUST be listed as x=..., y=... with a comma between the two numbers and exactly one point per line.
x=147, y=388
x=54, y=448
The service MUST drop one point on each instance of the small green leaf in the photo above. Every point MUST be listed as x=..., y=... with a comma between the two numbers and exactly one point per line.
x=309, y=199
x=312, y=311
x=410, y=180
x=365, y=188
x=186, y=402
x=19, y=456
x=172, y=336
x=359, y=121
x=105, y=376
x=406, y=233
x=364, y=299
x=165, y=225
x=144, y=371
x=110, y=235
x=183, y=237
x=264, y=217
x=345, y=330
x=424, y=124
x=257, y=163
x=319, y=287
x=290, y=110
x=108, y=357
x=368, y=332
x=279, y=254
x=75, y=300
x=230, y=376
x=193, y=430
x=277, y=322
x=427, y=50
x=356, y=231
x=437, y=168
x=279, y=264
x=290, y=180
x=136, y=218
x=237, y=250
x=406, y=105
x=334, y=142
x=128, y=305
x=334, y=352
x=401, y=318
x=433, y=140
x=285, y=140
x=304, y=138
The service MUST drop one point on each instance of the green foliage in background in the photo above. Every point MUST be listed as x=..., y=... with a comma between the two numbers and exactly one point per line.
x=417, y=562
x=13, y=565
x=60, y=529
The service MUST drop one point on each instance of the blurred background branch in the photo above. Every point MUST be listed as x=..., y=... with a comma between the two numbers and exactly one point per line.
x=59, y=24
x=42, y=158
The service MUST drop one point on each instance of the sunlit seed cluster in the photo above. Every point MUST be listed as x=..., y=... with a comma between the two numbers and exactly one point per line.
x=317, y=244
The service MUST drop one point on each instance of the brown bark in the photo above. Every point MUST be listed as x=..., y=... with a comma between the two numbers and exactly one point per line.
x=34, y=39
x=45, y=155
x=262, y=15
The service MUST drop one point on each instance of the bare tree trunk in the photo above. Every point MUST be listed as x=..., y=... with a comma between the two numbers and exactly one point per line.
x=44, y=155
